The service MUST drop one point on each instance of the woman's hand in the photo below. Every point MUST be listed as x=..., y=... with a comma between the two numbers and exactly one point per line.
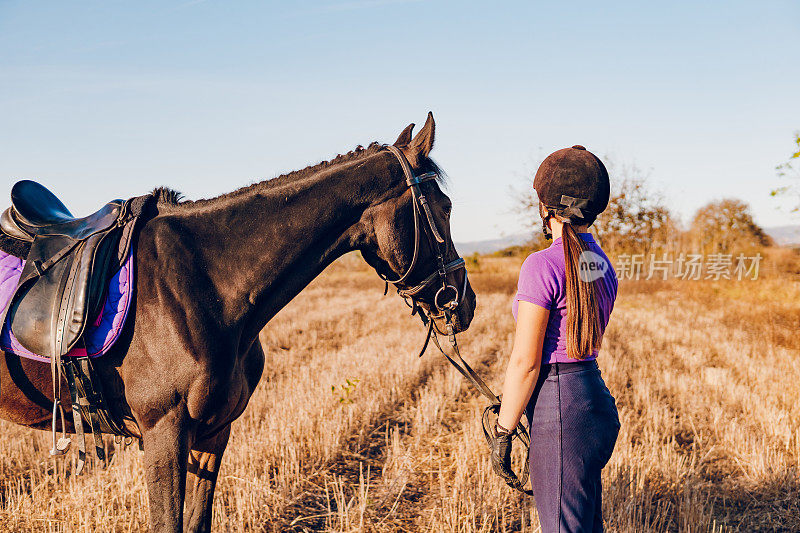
x=501, y=455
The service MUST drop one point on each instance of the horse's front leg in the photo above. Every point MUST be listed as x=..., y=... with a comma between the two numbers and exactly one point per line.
x=166, y=448
x=204, y=462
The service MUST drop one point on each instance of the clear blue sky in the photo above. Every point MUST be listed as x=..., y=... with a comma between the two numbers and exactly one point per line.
x=102, y=99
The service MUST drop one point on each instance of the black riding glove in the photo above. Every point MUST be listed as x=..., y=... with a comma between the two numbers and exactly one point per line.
x=501, y=456
x=499, y=440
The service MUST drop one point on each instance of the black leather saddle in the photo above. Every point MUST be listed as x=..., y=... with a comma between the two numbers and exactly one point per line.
x=62, y=286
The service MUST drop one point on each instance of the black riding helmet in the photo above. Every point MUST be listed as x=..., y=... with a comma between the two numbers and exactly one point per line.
x=573, y=184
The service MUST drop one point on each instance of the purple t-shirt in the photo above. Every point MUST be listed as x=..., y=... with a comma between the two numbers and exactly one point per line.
x=543, y=280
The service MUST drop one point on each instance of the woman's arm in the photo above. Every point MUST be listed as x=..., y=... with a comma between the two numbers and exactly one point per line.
x=524, y=364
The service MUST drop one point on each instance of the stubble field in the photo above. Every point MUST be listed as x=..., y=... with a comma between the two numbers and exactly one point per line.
x=706, y=377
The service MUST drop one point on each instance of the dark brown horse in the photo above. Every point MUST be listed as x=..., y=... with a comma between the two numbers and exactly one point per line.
x=209, y=275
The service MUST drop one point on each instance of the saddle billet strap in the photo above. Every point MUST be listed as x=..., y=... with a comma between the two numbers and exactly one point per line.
x=94, y=407
x=92, y=402
x=106, y=420
x=88, y=403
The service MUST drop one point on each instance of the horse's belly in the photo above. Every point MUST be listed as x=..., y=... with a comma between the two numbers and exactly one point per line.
x=25, y=391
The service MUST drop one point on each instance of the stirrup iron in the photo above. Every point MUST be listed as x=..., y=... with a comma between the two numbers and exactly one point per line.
x=60, y=446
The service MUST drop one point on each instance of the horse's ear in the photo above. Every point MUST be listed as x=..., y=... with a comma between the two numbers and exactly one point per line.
x=405, y=136
x=421, y=145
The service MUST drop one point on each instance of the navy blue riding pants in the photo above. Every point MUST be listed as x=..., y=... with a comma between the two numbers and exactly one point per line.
x=574, y=427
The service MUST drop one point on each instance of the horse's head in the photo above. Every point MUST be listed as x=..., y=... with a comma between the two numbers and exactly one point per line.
x=411, y=243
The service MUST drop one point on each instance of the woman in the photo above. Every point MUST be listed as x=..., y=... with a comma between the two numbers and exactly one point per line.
x=564, y=300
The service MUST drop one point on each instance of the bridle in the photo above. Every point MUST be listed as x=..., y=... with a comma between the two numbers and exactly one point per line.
x=444, y=309
x=422, y=210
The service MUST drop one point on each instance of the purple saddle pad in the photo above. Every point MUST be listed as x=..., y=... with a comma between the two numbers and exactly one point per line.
x=99, y=337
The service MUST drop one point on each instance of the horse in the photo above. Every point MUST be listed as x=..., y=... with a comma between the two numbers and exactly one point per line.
x=211, y=273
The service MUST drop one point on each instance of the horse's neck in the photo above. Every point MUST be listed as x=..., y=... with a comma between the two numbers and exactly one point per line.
x=263, y=247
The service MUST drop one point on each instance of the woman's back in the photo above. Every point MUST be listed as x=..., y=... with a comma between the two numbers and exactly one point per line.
x=542, y=281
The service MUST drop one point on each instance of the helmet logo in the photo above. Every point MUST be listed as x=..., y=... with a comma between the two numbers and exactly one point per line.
x=573, y=206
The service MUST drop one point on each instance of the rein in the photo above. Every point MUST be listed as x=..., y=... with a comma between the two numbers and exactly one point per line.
x=446, y=307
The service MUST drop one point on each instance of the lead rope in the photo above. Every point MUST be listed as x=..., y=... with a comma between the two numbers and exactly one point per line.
x=446, y=309
x=489, y=433
x=520, y=432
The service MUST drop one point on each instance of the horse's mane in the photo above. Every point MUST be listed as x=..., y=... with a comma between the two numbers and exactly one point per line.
x=171, y=197
x=167, y=196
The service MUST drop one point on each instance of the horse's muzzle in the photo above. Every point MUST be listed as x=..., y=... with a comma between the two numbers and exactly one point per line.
x=462, y=316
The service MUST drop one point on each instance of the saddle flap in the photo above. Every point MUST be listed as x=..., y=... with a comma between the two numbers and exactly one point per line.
x=50, y=313
x=37, y=301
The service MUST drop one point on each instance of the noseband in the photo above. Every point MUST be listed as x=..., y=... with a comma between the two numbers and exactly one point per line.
x=445, y=307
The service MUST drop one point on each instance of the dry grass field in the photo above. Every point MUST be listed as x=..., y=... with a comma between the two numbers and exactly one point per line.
x=706, y=376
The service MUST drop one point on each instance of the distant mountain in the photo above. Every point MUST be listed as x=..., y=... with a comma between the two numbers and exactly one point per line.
x=782, y=235
x=492, y=245
x=785, y=235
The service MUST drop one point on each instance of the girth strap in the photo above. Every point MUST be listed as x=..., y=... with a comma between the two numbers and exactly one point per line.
x=92, y=401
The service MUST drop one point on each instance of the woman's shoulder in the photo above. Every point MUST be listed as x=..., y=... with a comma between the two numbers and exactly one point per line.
x=540, y=279
x=543, y=265
x=545, y=259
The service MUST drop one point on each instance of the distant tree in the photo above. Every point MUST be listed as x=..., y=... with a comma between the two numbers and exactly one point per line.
x=726, y=225
x=636, y=220
x=526, y=205
x=790, y=169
